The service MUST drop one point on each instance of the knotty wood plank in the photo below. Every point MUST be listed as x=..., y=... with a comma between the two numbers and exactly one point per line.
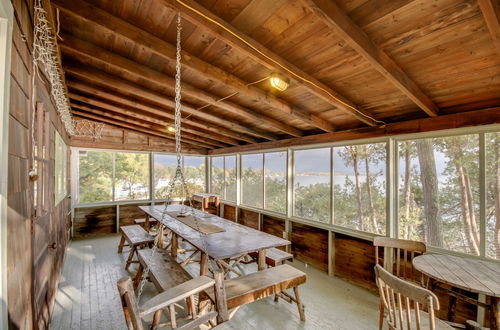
x=270, y=60
x=491, y=13
x=334, y=17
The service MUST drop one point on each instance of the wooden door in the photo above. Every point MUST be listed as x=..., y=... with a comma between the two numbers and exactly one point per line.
x=43, y=240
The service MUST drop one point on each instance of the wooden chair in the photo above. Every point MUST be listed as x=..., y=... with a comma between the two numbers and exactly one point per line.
x=404, y=302
x=398, y=256
x=134, y=313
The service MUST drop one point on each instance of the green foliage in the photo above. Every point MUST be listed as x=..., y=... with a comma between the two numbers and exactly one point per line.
x=131, y=176
x=96, y=177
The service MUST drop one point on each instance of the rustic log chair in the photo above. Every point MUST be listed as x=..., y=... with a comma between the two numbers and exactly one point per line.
x=404, y=301
x=134, y=313
x=398, y=256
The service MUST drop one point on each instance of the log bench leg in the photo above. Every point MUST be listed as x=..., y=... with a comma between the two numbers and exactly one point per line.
x=156, y=320
x=130, y=257
x=122, y=243
x=299, y=304
x=138, y=276
x=173, y=320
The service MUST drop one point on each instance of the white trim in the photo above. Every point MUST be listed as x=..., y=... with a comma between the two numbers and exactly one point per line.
x=6, y=26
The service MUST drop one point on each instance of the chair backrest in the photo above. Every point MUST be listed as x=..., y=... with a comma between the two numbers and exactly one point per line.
x=186, y=290
x=402, y=300
x=129, y=303
x=398, y=255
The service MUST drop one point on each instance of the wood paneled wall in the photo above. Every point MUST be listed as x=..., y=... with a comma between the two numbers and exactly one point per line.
x=36, y=246
x=310, y=245
x=94, y=220
x=123, y=139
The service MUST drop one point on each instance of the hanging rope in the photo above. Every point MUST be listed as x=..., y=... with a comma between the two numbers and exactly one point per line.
x=179, y=173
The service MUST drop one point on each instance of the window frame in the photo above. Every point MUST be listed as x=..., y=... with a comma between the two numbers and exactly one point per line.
x=75, y=170
x=391, y=185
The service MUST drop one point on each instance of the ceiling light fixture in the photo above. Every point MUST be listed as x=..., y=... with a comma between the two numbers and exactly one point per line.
x=171, y=129
x=279, y=81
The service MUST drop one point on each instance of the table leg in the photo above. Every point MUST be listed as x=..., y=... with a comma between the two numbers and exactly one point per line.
x=160, y=238
x=203, y=264
x=174, y=246
x=147, y=224
x=495, y=313
x=261, y=261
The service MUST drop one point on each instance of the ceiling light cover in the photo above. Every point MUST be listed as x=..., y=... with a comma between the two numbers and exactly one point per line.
x=279, y=81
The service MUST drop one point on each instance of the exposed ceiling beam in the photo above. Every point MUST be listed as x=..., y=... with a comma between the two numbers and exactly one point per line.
x=464, y=119
x=264, y=56
x=77, y=47
x=152, y=123
x=491, y=13
x=144, y=109
x=333, y=16
x=117, y=26
x=88, y=112
x=154, y=130
x=121, y=86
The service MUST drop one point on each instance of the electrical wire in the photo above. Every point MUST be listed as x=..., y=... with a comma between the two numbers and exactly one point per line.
x=279, y=64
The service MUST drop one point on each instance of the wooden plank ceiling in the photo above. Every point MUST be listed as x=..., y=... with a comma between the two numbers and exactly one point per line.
x=352, y=64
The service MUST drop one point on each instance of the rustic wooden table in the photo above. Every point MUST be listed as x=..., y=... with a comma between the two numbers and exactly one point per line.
x=470, y=274
x=235, y=241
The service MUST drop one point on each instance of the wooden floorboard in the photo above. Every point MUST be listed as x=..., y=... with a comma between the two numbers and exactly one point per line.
x=87, y=297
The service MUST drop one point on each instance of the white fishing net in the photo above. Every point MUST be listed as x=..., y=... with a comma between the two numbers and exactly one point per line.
x=87, y=128
x=45, y=56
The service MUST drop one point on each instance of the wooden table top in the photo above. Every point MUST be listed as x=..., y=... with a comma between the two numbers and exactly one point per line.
x=235, y=241
x=470, y=274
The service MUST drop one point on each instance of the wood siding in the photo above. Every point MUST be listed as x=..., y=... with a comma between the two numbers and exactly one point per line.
x=36, y=246
x=310, y=245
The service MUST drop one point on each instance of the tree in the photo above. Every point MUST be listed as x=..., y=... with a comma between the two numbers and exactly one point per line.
x=95, y=177
x=428, y=177
x=132, y=173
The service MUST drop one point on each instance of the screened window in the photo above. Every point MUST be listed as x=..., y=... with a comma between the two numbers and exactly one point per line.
x=439, y=192
x=359, y=187
x=252, y=180
x=493, y=195
x=217, y=173
x=164, y=171
x=61, y=168
x=131, y=176
x=275, y=165
x=230, y=178
x=194, y=172
x=95, y=176
x=312, y=199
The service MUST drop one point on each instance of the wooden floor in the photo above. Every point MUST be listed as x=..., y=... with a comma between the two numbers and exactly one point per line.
x=87, y=297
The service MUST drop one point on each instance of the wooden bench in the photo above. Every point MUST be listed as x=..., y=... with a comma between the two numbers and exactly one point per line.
x=274, y=257
x=249, y=288
x=164, y=271
x=146, y=224
x=135, y=237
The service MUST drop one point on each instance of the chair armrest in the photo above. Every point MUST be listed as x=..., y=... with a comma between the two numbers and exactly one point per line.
x=175, y=294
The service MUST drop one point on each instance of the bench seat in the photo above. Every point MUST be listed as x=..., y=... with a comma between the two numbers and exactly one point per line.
x=275, y=280
x=274, y=256
x=164, y=271
x=142, y=222
x=135, y=237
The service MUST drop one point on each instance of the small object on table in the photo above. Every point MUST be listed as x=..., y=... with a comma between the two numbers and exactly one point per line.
x=473, y=275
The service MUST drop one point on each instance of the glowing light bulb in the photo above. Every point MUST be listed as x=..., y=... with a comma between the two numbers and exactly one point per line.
x=171, y=129
x=279, y=81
